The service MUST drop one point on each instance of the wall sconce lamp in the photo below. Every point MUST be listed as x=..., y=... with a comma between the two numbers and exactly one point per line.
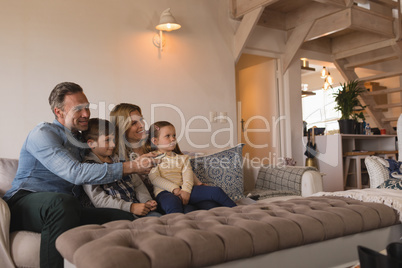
x=166, y=23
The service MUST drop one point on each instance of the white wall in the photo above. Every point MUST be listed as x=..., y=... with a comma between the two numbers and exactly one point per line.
x=106, y=47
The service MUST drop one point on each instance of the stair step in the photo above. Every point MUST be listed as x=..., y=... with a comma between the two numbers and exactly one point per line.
x=374, y=84
x=390, y=119
x=389, y=105
x=383, y=91
x=370, y=61
x=380, y=76
x=388, y=3
x=364, y=49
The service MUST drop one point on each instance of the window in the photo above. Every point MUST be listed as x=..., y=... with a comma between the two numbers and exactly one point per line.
x=319, y=110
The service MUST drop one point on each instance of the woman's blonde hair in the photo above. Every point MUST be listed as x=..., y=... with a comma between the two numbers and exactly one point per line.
x=120, y=117
x=154, y=132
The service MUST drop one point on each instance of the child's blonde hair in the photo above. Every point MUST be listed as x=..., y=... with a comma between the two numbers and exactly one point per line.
x=154, y=132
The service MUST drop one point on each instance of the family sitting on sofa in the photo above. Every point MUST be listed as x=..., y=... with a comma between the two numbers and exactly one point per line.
x=46, y=194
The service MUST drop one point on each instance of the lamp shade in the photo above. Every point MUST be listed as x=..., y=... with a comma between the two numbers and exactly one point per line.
x=329, y=79
x=167, y=22
x=324, y=72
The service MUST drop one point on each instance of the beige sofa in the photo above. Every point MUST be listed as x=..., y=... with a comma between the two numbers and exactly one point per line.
x=21, y=249
x=18, y=249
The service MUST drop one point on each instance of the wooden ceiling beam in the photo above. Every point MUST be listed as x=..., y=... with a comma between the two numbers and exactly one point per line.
x=294, y=42
x=242, y=7
x=244, y=31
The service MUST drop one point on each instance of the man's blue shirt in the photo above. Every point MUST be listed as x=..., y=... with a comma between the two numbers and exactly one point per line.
x=50, y=161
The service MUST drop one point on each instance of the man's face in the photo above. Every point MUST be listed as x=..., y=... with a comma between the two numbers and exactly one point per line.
x=75, y=114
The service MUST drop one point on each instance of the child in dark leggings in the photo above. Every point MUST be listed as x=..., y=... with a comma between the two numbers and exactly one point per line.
x=174, y=184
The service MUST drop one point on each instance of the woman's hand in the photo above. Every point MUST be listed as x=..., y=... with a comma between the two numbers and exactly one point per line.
x=185, y=197
x=153, y=204
x=140, y=209
x=141, y=165
x=150, y=154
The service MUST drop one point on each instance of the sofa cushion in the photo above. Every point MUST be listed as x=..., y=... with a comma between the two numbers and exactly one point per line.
x=394, y=168
x=392, y=183
x=25, y=248
x=223, y=169
x=8, y=168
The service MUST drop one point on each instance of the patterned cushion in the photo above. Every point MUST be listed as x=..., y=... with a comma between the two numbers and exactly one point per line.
x=223, y=169
x=399, y=134
x=392, y=183
x=394, y=168
x=377, y=170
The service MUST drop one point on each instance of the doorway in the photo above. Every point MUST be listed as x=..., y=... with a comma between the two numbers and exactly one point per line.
x=258, y=108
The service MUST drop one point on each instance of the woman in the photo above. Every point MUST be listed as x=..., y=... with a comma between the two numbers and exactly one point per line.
x=130, y=135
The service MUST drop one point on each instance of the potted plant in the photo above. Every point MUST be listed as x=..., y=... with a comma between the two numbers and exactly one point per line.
x=348, y=103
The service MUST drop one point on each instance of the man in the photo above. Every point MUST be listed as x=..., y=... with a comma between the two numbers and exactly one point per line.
x=43, y=196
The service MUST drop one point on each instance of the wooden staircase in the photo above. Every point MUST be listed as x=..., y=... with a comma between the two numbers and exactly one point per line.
x=377, y=89
x=381, y=52
x=375, y=48
x=359, y=35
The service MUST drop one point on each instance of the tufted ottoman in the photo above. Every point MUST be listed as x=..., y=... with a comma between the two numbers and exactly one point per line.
x=204, y=238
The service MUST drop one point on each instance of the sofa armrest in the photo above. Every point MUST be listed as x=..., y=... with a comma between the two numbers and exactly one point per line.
x=5, y=257
x=311, y=183
x=250, y=174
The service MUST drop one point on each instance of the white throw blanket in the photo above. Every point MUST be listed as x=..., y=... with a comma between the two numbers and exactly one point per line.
x=389, y=197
